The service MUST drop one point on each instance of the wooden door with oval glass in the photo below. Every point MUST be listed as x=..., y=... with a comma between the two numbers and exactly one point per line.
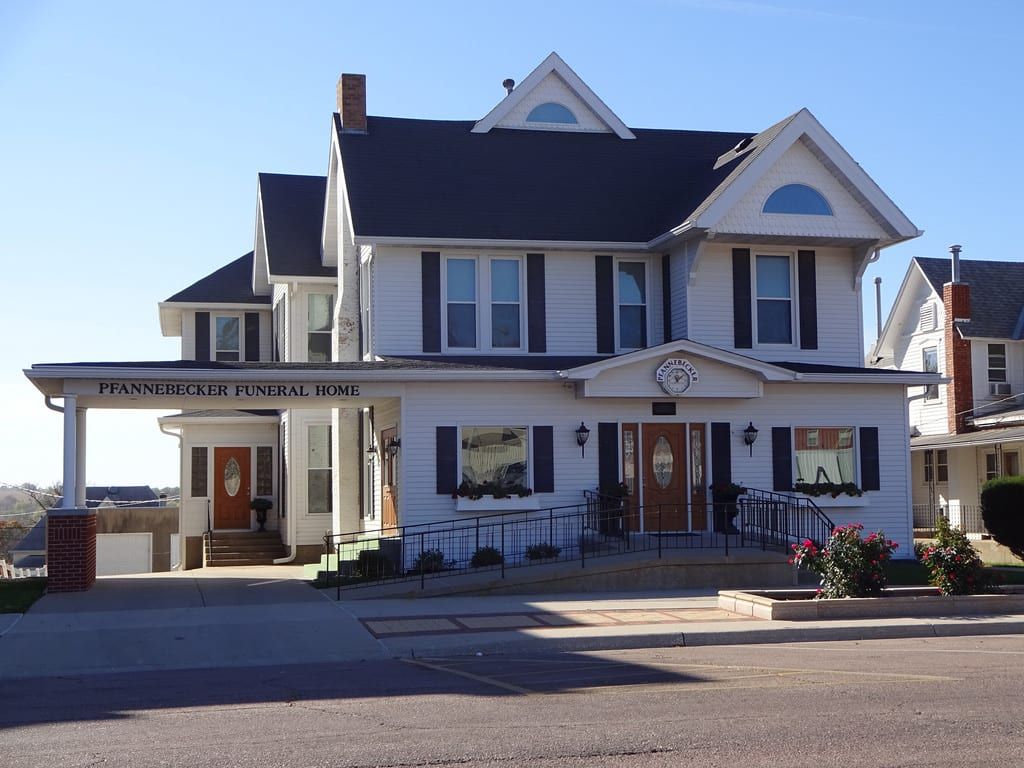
x=231, y=488
x=664, y=478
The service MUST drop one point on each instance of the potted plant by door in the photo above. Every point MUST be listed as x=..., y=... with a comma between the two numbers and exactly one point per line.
x=262, y=506
x=725, y=496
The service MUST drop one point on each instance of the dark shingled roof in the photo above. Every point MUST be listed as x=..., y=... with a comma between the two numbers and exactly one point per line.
x=823, y=368
x=433, y=178
x=997, y=294
x=121, y=495
x=231, y=284
x=293, y=218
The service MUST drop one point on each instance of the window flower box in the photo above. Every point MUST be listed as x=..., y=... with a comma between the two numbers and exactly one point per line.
x=838, y=502
x=487, y=504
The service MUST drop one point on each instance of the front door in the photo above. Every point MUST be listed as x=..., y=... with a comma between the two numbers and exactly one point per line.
x=664, y=477
x=388, y=489
x=231, y=491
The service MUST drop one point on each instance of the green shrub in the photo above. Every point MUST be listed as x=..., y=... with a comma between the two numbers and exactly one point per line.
x=848, y=565
x=542, y=551
x=372, y=562
x=954, y=566
x=486, y=556
x=430, y=561
x=1002, y=509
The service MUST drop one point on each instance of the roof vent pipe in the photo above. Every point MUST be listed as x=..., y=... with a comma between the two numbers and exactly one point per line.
x=955, y=250
x=878, y=311
x=508, y=84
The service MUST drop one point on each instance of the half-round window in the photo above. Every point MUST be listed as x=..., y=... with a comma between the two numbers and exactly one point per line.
x=550, y=112
x=797, y=198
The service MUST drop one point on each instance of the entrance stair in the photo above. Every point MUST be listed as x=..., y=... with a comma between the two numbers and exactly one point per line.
x=241, y=548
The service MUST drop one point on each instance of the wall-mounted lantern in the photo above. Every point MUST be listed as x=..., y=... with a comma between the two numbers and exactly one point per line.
x=393, y=445
x=750, y=436
x=582, y=435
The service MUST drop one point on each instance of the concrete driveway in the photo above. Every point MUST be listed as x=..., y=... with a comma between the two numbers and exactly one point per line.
x=223, y=617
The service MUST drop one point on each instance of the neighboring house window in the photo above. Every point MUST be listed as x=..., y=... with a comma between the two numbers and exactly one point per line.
x=774, y=281
x=318, y=463
x=264, y=470
x=632, y=304
x=551, y=112
x=825, y=455
x=1011, y=463
x=991, y=466
x=227, y=338
x=460, y=284
x=495, y=457
x=931, y=365
x=936, y=466
x=997, y=383
x=506, y=306
x=199, y=487
x=799, y=199
x=320, y=314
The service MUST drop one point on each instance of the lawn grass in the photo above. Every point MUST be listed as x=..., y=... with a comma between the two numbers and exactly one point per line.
x=912, y=573
x=16, y=595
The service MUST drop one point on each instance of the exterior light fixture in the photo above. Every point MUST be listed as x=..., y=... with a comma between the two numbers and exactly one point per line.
x=371, y=452
x=582, y=435
x=750, y=436
x=393, y=445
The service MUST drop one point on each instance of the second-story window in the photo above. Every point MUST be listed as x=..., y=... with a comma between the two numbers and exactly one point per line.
x=506, y=312
x=461, y=299
x=997, y=383
x=930, y=357
x=774, y=281
x=632, y=305
x=227, y=338
x=320, y=314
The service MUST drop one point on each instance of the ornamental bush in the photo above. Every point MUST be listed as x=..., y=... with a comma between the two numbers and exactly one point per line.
x=849, y=566
x=542, y=551
x=486, y=556
x=954, y=566
x=1002, y=509
x=430, y=561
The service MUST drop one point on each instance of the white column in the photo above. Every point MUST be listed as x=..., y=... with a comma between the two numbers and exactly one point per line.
x=80, y=442
x=70, y=451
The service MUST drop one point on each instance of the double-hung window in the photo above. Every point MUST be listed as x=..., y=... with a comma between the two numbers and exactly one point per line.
x=506, y=304
x=997, y=383
x=930, y=357
x=320, y=314
x=318, y=469
x=774, y=288
x=936, y=466
x=461, y=312
x=632, y=304
x=227, y=338
x=484, y=305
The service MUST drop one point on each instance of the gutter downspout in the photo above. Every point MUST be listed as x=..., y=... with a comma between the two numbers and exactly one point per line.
x=51, y=406
x=181, y=489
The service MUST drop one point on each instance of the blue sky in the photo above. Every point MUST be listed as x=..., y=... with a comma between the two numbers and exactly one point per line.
x=132, y=134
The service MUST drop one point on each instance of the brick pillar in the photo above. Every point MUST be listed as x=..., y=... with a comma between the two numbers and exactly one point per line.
x=351, y=94
x=960, y=392
x=70, y=550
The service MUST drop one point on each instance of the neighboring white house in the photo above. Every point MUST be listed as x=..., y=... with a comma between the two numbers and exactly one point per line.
x=456, y=298
x=970, y=429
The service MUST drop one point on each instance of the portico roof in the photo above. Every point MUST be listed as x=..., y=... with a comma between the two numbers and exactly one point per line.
x=967, y=439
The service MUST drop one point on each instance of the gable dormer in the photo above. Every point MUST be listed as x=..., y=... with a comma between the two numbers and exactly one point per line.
x=553, y=98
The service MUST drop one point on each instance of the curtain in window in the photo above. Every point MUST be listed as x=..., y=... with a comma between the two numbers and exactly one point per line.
x=825, y=455
x=494, y=455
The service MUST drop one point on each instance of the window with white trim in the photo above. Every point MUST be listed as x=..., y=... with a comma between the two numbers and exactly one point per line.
x=930, y=362
x=483, y=300
x=1011, y=463
x=825, y=455
x=318, y=469
x=495, y=458
x=631, y=288
x=773, y=281
x=936, y=466
x=997, y=382
x=227, y=337
x=320, y=315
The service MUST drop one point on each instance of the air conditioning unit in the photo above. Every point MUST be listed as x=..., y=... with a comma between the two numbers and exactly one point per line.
x=999, y=388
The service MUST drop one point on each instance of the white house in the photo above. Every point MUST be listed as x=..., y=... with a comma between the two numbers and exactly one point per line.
x=964, y=319
x=420, y=335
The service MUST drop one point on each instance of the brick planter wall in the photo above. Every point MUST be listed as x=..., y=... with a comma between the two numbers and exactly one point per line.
x=70, y=550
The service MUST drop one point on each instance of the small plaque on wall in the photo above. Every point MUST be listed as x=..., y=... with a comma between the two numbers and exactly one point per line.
x=663, y=409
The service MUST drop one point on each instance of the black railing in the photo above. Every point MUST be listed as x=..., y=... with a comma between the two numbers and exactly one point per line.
x=601, y=526
x=966, y=517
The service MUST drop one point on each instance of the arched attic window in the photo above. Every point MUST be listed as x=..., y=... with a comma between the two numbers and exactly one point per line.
x=797, y=198
x=551, y=112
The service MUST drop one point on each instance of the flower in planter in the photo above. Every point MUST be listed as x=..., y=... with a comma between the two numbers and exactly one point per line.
x=954, y=566
x=835, y=490
x=727, y=489
x=849, y=566
x=475, y=491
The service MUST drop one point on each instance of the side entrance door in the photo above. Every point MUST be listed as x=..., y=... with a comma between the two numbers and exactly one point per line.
x=231, y=488
x=664, y=477
x=388, y=489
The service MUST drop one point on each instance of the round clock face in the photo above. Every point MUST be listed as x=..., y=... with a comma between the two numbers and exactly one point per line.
x=676, y=380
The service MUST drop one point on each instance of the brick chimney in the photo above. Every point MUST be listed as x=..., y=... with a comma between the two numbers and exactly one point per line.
x=956, y=298
x=352, y=103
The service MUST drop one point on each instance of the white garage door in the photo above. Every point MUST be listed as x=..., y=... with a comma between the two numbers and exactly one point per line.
x=118, y=553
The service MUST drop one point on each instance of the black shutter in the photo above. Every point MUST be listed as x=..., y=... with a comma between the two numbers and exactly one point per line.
x=536, y=303
x=869, y=473
x=782, y=459
x=607, y=455
x=743, y=337
x=252, y=336
x=202, y=335
x=543, y=460
x=430, y=262
x=666, y=297
x=721, y=452
x=447, y=460
x=808, y=304
x=605, y=305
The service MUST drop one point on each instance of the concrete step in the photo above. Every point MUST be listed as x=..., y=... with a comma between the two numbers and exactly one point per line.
x=243, y=561
x=270, y=552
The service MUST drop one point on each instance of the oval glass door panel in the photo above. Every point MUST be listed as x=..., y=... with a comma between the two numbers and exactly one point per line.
x=662, y=462
x=232, y=477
